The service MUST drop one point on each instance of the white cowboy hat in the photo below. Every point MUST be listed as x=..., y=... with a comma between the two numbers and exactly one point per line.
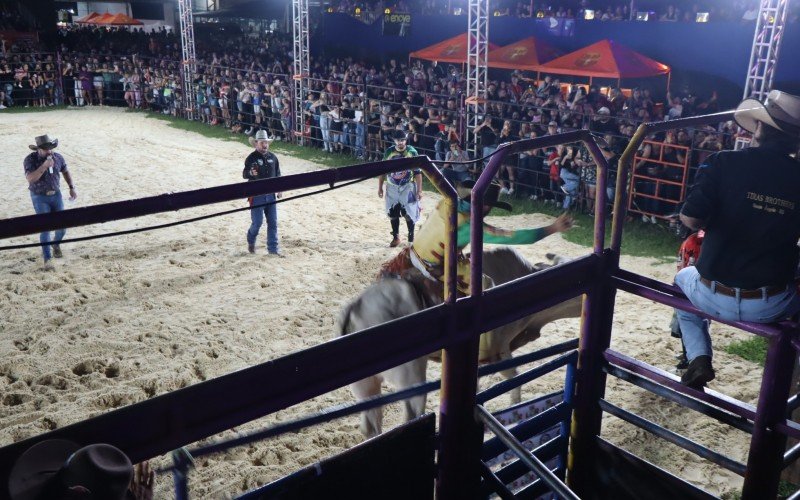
x=779, y=110
x=261, y=135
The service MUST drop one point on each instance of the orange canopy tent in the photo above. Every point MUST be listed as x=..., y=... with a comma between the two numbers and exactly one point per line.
x=606, y=59
x=528, y=54
x=88, y=19
x=453, y=50
x=120, y=20
x=99, y=18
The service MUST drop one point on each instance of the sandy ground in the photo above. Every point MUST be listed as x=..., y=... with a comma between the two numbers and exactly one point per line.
x=123, y=319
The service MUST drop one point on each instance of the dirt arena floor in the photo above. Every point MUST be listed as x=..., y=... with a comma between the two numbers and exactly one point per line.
x=124, y=319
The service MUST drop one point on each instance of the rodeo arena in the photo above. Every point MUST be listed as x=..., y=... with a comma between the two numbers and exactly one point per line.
x=467, y=283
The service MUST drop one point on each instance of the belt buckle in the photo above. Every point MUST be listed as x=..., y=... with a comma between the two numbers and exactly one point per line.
x=49, y=193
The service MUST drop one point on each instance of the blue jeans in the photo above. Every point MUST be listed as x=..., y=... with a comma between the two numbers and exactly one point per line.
x=257, y=218
x=360, y=133
x=454, y=177
x=44, y=204
x=760, y=310
x=486, y=151
x=571, y=189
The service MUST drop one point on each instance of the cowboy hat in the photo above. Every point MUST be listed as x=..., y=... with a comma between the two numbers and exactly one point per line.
x=464, y=190
x=779, y=110
x=52, y=468
x=261, y=135
x=44, y=142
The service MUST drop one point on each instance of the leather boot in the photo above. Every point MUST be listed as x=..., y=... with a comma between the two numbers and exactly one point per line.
x=395, y=241
x=699, y=373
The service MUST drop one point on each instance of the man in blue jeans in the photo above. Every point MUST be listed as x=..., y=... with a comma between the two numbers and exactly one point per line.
x=43, y=169
x=749, y=205
x=262, y=164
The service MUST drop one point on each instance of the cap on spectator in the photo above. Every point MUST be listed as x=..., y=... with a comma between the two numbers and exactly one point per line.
x=604, y=111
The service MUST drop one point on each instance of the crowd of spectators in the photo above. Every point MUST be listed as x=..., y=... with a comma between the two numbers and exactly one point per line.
x=14, y=17
x=598, y=10
x=243, y=82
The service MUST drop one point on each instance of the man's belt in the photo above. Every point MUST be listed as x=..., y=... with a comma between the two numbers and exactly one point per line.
x=46, y=193
x=755, y=293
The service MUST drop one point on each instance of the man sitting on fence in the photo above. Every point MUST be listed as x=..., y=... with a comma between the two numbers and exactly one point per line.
x=748, y=203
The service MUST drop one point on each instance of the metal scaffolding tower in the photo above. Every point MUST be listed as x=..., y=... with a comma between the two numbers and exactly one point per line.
x=300, y=65
x=766, y=42
x=477, y=62
x=189, y=60
x=770, y=27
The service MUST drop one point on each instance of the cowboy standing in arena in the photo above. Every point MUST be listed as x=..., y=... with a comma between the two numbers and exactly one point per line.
x=262, y=164
x=403, y=190
x=43, y=169
x=749, y=206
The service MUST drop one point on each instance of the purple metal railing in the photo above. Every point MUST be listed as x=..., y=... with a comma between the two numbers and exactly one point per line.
x=765, y=458
x=172, y=420
x=465, y=452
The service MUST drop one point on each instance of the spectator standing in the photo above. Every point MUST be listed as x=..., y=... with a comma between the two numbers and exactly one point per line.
x=487, y=136
x=456, y=170
x=262, y=164
x=43, y=169
x=749, y=206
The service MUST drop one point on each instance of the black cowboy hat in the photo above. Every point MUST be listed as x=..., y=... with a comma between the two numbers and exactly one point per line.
x=53, y=468
x=44, y=142
x=490, y=198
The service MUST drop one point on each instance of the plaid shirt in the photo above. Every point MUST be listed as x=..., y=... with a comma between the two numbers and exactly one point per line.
x=48, y=181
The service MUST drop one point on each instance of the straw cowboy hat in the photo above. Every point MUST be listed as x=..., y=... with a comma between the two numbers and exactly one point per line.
x=56, y=467
x=780, y=110
x=464, y=190
x=261, y=135
x=44, y=142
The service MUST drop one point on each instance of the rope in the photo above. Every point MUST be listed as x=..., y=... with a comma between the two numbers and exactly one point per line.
x=183, y=221
x=209, y=216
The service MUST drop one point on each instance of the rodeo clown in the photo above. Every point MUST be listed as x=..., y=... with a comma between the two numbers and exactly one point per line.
x=403, y=190
x=426, y=254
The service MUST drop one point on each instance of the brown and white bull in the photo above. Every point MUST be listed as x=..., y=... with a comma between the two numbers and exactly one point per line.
x=390, y=299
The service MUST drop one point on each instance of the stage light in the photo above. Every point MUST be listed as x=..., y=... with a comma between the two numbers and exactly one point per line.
x=387, y=11
x=540, y=14
x=358, y=11
x=642, y=16
x=457, y=11
x=330, y=10
x=588, y=14
x=702, y=17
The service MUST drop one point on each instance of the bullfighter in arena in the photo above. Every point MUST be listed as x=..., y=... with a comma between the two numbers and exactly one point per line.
x=403, y=189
